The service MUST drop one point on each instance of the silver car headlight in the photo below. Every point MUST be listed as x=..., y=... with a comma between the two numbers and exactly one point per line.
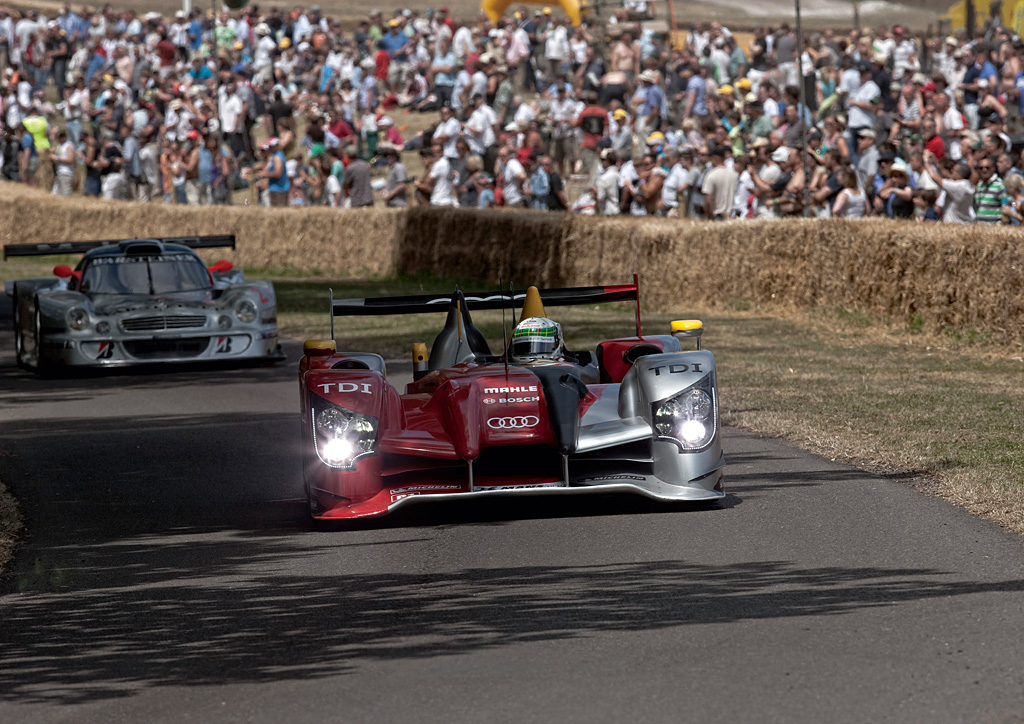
x=341, y=436
x=246, y=311
x=103, y=327
x=689, y=418
x=77, y=318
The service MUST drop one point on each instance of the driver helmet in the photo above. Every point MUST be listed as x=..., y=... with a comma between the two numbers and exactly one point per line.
x=536, y=338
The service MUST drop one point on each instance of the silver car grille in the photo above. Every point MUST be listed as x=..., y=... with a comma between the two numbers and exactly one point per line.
x=162, y=322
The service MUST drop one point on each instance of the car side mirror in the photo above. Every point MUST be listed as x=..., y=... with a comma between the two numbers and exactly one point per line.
x=221, y=266
x=63, y=271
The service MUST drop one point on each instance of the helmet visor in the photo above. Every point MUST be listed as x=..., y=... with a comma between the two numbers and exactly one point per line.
x=527, y=347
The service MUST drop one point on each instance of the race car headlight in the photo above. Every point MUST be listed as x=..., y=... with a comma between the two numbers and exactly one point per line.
x=77, y=318
x=103, y=327
x=342, y=436
x=224, y=322
x=689, y=418
x=246, y=311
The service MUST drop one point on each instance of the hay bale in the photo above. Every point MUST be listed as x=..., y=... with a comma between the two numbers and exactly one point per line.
x=520, y=246
x=350, y=243
x=934, y=275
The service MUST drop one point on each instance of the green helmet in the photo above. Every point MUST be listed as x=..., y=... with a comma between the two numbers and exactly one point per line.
x=536, y=338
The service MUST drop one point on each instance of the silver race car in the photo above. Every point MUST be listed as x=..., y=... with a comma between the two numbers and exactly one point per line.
x=140, y=301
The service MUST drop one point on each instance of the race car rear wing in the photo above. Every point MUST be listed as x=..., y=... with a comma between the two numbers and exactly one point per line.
x=495, y=299
x=80, y=247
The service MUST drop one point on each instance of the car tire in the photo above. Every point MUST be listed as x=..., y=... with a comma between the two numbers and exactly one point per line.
x=19, y=340
x=42, y=367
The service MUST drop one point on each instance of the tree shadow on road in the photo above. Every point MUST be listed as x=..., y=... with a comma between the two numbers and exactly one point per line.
x=202, y=614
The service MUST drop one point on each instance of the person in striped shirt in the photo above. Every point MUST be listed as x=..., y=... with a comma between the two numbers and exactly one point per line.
x=988, y=193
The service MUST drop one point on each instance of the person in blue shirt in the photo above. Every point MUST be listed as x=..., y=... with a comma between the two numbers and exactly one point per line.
x=552, y=90
x=540, y=188
x=443, y=67
x=275, y=172
x=1018, y=84
x=396, y=42
x=97, y=63
x=653, y=104
x=200, y=71
x=195, y=34
x=981, y=69
x=28, y=158
x=69, y=21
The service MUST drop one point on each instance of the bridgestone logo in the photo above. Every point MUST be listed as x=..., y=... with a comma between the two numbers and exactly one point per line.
x=501, y=390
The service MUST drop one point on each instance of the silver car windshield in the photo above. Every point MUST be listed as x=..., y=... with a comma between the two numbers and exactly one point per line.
x=145, y=275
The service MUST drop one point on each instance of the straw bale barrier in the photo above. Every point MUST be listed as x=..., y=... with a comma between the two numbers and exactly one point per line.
x=484, y=244
x=353, y=244
x=931, y=275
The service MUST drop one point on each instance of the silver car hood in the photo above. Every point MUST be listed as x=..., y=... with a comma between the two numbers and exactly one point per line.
x=114, y=304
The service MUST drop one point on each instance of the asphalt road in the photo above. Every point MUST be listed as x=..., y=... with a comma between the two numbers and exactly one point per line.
x=170, y=576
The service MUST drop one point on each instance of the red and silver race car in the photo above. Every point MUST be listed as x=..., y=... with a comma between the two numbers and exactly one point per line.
x=638, y=414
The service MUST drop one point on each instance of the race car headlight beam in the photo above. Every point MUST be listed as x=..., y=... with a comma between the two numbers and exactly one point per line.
x=688, y=418
x=342, y=437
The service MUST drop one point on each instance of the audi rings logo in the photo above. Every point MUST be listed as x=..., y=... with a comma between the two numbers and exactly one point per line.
x=511, y=423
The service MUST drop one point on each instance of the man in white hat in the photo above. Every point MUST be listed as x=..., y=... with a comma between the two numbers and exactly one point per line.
x=606, y=190
x=177, y=33
x=943, y=58
x=654, y=106
x=262, y=59
x=867, y=157
x=864, y=105
x=769, y=180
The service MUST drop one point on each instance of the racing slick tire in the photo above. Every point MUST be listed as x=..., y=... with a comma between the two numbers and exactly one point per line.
x=19, y=341
x=41, y=367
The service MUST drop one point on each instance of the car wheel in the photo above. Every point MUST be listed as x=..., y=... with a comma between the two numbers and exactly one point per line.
x=42, y=367
x=19, y=340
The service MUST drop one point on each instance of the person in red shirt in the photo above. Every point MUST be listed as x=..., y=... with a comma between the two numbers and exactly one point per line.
x=932, y=142
x=381, y=61
x=168, y=53
x=340, y=128
x=593, y=121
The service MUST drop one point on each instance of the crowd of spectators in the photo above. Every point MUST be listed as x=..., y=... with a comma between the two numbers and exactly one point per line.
x=605, y=118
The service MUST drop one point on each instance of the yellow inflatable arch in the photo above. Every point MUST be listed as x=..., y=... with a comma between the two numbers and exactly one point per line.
x=495, y=8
